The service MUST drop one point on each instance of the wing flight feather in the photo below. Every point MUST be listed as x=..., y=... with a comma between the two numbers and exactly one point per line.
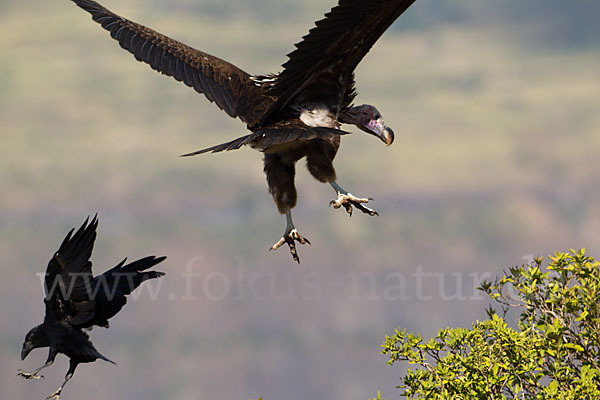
x=268, y=138
x=326, y=57
x=230, y=88
x=68, y=278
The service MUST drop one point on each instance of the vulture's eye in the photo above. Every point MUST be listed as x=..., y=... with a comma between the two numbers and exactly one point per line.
x=376, y=116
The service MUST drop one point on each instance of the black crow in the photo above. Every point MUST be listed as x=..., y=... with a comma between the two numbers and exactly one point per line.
x=76, y=300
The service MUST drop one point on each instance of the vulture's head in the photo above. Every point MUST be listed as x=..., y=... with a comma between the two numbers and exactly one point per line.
x=368, y=119
x=35, y=338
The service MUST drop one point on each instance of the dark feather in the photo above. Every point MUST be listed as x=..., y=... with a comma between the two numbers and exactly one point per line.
x=294, y=114
x=270, y=138
x=232, y=145
x=333, y=49
x=230, y=88
x=111, y=287
x=69, y=276
x=76, y=300
x=74, y=296
x=81, y=349
x=320, y=70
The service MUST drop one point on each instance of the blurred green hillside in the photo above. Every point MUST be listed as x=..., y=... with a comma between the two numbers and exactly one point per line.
x=495, y=109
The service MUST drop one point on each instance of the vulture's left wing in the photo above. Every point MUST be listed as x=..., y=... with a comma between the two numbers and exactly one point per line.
x=229, y=87
x=325, y=59
x=276, y=137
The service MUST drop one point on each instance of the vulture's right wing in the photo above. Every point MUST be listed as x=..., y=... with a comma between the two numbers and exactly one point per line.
x=230, y=88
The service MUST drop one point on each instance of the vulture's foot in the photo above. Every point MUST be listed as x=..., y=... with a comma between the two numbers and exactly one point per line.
x=347, y=200
x=290, y=237
x=54, y=396
x=29, y=375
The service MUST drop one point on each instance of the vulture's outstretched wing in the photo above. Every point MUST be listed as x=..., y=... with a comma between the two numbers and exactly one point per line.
x=112, y=286
x=69, y=277
x=271, y=138
x=223, y=83
x=321, y=67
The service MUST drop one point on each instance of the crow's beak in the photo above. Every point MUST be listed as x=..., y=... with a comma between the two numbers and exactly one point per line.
x=26, y=350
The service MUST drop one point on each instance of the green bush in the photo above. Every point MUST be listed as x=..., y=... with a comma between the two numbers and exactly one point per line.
x=553, y=353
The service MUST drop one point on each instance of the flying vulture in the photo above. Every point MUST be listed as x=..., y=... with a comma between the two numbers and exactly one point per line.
x=293, y=114
x=75, y=300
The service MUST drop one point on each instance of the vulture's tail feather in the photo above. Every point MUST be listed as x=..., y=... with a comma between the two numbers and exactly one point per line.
x=232, y=145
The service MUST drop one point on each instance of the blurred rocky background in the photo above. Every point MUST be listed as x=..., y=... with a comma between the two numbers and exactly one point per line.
x=495, y=105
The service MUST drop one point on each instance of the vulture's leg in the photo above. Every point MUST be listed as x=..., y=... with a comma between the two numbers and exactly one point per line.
x=280, y=169
x=69, y=375
x=319, y=160
x=290, y=236
x=34, y=374
x=348, y=200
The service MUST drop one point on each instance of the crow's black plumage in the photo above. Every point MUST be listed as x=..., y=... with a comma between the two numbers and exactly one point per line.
x=76, y=300
x=294, y=114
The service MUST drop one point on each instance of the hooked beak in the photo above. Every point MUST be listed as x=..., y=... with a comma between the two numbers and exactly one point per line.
x=379, y=129
x=387, y=135
x=26, y=350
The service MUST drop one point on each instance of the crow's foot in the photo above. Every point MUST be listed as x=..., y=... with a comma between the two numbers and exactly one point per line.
x=289, y=237
x=29, y=375
x=347, y=200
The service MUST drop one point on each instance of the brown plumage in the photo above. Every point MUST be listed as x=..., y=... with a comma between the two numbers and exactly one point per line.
x=294, y=114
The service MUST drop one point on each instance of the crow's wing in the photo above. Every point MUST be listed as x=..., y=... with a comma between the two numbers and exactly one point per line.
x=230, y=88
x=111, y=287
x=69, y=276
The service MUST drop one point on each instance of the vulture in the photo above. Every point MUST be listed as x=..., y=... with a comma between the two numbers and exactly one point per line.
x=75, y=300
x=293, y=114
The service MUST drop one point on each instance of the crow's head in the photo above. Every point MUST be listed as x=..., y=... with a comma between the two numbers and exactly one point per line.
x=368, y=119
x=35, y=338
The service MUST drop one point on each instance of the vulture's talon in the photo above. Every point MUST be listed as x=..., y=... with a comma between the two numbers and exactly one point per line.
x=54, y=396
x=348, y=208
x=290, y=237
x=367, y=210
x=348, y=200
x=29, y=375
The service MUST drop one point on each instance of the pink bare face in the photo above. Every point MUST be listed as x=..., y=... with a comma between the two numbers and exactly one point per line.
x=370, y=121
